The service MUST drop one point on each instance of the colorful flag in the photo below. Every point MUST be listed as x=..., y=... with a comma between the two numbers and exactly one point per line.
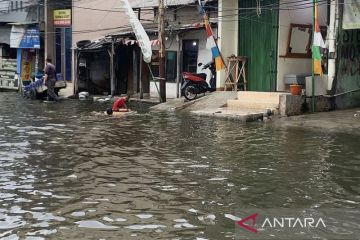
x=211, y=42
x=318, y=42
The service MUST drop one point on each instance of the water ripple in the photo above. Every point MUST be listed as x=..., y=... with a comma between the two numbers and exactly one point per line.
x=65, y=174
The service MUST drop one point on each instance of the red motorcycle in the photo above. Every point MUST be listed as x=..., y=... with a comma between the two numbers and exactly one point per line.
x=195, y=83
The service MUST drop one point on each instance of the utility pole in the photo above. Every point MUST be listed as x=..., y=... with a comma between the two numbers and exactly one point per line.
x=39, y=24
x=333, y=29
x=162, y=51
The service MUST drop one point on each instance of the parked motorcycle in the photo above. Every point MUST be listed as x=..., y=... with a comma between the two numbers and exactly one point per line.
x=195, y=83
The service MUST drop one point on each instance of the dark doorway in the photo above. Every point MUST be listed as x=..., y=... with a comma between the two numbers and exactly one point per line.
x=63, y=57
x=190, y=55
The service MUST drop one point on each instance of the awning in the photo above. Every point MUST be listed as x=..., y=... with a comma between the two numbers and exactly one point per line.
x=97, y=45
x=127, y=37
x=152, y=28
x=5, y=32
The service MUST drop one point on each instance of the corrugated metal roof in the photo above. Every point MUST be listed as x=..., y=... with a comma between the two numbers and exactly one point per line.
x=13, y=17
x=125, y=33
x=98, y=45
x=152, y=28
x=154, y=3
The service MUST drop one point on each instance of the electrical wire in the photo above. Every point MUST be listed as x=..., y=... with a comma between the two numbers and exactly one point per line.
x=299, y=4
x=243, y=13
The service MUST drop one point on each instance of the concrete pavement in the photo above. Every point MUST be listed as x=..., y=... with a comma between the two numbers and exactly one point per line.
x=212, y=105
x=339, y=121
x=68, y=91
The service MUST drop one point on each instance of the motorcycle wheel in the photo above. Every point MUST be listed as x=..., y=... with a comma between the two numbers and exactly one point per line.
x=32, y=94
x=189, y=93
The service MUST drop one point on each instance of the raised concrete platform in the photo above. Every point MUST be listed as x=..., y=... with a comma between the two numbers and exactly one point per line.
x=214, y=101
x=68, y=91
x=213, y=105
x=171, y=105
x=256, y=100
x=211, y=101
x=250, y=104
x=271, y=96
x=230, y=114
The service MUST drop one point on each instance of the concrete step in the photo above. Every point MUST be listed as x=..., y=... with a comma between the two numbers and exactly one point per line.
x=271, y=97
x=243, y=115
x=252, y=104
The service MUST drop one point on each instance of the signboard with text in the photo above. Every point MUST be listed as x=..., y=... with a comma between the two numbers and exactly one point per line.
x=62, y=18
x=351, y=17
x=25, y=37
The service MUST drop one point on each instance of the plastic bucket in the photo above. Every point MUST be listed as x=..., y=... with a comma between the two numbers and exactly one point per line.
x=295, y=89
x=83, y=95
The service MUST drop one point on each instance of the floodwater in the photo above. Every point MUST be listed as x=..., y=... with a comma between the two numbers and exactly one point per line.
x=66, y=174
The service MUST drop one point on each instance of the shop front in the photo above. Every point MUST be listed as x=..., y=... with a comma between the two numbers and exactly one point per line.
x=63, y=39
x=8, y=77
x=30, y=58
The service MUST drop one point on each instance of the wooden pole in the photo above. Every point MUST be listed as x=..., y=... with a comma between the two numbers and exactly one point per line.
x=178, y=70
x=313, y=107
x=112, y=68
x=135, y=75
x=75, y=73
x=140, y=77
x=141, y=90
x=162, y=51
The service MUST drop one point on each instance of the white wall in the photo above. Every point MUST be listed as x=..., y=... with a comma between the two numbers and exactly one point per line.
x=91, y=24
x=228, y=33
x=204, y=56
x=299, y=16
x=170, y=90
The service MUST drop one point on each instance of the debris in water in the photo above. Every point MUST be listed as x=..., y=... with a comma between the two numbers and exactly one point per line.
x=232, y=217
x=94, y=225
x=144, y=216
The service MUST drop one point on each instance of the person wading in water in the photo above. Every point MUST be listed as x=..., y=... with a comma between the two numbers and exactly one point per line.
x=50, y=80
x=119, y=106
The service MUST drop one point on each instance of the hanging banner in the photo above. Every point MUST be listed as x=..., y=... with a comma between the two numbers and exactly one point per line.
x=62, y=18
x=211, y=42
x=139, y=31
x=25, y=37
x=351, y=15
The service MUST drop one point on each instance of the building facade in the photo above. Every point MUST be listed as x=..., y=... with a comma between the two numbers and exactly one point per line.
x=20, y=42
x=185, y=44
x=58, y=35
x=276, y=37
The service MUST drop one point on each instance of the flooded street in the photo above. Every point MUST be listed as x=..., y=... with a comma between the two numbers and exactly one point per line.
x=66, y=174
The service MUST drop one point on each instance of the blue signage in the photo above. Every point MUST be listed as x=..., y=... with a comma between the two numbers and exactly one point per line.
x=30, y=38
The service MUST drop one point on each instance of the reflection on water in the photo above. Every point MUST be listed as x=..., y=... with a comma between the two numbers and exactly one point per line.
x=65, y=174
